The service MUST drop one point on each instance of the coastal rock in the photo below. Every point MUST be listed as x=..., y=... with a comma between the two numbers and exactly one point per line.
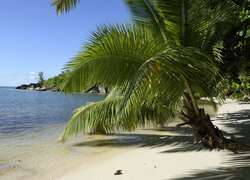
x=31, y=86
x=23, y=86
x=97, y=89
x=37, y=87
x=102, y=89
x=41, y=89
x=93, y=89
x=55, y=89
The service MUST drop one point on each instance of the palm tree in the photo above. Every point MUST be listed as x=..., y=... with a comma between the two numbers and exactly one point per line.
x=155, y=66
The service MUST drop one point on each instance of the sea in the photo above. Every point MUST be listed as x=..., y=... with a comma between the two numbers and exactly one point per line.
x=30, y=124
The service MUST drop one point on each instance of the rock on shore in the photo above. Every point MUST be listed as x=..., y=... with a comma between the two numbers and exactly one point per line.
x=97, y=89
x=38, y=87
x=31, y=86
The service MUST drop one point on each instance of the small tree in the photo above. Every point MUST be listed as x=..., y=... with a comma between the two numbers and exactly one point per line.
x=41, y=78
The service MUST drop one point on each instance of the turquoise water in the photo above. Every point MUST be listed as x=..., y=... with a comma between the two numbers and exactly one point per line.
x=30, y=125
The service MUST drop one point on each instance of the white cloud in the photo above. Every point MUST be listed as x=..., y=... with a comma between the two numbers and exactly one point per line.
x=20, y=74
x=32, y=77
x=18, y=78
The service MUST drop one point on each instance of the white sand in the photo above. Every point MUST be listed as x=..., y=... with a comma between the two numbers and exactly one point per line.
x=171, y=154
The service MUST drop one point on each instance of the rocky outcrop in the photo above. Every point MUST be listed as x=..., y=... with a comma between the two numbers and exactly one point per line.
x=23, y=86
x=55, y=89
x=41, y=89
x=31, y=86
x=37, y=87
x=97, y=89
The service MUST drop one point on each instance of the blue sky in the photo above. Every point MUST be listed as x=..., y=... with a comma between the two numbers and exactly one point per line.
x=33, y=38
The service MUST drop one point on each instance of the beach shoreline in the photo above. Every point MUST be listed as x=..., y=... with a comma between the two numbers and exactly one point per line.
x=171, y=154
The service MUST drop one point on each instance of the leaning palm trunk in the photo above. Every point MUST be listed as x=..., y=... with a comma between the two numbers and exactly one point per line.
x=205, y=131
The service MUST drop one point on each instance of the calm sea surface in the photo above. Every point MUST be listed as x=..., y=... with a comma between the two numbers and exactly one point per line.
x=30, y=125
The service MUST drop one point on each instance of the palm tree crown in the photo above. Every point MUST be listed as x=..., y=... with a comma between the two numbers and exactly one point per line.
x=150, y=64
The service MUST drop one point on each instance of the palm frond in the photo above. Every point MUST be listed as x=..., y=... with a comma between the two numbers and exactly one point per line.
x=144, y=12
x=64, y=6
x=213, y=22
x=162, y=79
x=112, y=56
x=86, y=118
x=172, y=14
x=105, y=114
x=165, y=17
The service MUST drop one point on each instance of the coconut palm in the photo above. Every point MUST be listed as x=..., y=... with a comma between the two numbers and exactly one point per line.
x=154, y=66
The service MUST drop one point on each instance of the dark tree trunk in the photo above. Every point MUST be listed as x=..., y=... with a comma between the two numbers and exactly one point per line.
x=205, y=131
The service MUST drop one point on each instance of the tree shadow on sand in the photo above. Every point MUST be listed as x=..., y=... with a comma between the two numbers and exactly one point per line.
x=180, y=141
x=238, y=169
x=237, y=126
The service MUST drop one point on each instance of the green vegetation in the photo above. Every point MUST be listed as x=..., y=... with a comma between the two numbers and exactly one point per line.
x=154, y=66
x=236, y=64
x=56, y=81
x=41, y=78
x=239, y=90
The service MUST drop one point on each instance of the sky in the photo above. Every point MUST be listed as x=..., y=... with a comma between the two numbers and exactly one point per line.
x=33, y=38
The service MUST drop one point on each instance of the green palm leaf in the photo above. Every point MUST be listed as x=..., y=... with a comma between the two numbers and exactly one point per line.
x=144, y=12
x=64, y=6
x=164, y=17
x=112, y=56
x=86, y=118
x=104, y=113
x=213, y=22
x=171, y=12
x=162, y=80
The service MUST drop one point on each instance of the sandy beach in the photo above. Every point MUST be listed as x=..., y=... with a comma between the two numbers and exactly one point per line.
x=169, y=153
x=124, y=90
